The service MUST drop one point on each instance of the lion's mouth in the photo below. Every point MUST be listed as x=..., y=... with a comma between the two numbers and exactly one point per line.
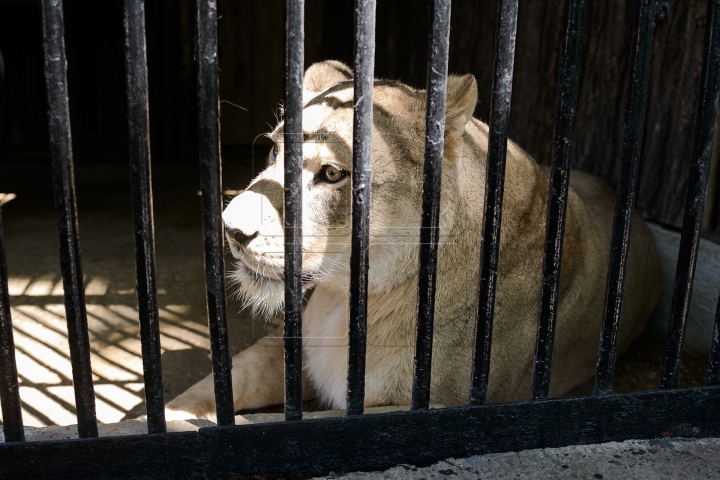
x=261, y=286
x=264, y=274
x=261, y=273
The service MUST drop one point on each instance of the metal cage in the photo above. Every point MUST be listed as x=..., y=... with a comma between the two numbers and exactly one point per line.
x=357, y=441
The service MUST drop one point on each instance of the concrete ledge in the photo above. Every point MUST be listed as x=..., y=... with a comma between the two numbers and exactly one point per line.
x=139, y=427
x=701, y=317
x=128, y=427
x=668, y=458
x=280, y=417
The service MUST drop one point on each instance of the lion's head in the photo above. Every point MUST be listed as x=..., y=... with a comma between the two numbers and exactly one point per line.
x=254, y=219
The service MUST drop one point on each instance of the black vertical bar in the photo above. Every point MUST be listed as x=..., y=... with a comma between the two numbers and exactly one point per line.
x=429, y=229
x=141, y=180
x=568, y=79
x=713, y=370
x=293, y=138
x=695, y=203
x=362, y=148
x=9, y=391
x=635, y=101
x=211, y=187
x=505, y=30
x=66, y=211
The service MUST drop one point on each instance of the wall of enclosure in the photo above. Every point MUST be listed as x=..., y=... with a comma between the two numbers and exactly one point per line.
x=250, y=46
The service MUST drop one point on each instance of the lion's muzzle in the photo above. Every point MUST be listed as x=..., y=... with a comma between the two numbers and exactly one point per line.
x=248, y=216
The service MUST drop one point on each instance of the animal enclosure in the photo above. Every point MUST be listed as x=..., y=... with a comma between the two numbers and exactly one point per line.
x=359, y=441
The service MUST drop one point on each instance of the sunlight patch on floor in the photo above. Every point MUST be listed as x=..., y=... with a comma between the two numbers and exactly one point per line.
x=52, y=285
x=43, y=359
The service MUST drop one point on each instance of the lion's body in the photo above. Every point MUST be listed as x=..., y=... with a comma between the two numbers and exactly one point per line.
x=398, y=142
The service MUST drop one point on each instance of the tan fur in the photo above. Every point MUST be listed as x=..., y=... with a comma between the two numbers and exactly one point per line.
x=397, y=158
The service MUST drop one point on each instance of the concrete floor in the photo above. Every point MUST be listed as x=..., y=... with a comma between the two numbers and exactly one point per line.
x=105, y=222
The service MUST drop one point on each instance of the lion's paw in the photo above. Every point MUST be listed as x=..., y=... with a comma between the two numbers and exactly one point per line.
x=178, y=415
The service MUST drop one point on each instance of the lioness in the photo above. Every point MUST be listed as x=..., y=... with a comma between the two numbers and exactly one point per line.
x=253, y=222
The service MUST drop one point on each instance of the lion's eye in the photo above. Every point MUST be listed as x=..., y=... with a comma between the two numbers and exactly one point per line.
x=272, y=158
x=332, y=174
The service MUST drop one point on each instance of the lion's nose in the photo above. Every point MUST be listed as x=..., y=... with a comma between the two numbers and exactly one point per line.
x=238, y=236
x=246, y=216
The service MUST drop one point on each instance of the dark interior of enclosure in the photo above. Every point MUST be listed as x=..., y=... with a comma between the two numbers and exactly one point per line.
x=251, y=59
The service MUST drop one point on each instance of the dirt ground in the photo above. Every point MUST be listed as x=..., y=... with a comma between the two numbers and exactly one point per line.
x=106, y=239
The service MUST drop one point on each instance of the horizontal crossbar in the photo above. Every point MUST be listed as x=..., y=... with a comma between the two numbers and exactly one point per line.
x=372, y=442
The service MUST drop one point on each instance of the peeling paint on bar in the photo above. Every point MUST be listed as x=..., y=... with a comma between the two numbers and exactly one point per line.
x=295, y=34
x=439, y=46
x=9, y=388
x=505, y=30
x=212, y=205
x=638, y=79
x=568, y=80
x=362, y=150
x=66, y=210
x=141, y=180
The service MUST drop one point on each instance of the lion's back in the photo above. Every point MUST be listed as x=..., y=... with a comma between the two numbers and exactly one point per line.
x=642, y=287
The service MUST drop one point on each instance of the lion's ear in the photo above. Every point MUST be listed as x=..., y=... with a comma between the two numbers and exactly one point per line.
x=461, y=100
x=320, y=76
